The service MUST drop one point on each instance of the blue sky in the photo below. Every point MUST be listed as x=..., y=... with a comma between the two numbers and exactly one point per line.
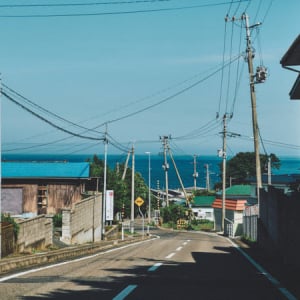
x=146, y=74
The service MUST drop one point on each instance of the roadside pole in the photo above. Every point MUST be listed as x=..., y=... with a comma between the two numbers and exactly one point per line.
x=104, y=185
x=132, y=194
x=0, y=169
x=139, y=202
x=249, y=57
x=224, y=174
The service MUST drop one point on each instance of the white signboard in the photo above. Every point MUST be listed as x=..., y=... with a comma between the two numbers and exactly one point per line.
x=109, y=215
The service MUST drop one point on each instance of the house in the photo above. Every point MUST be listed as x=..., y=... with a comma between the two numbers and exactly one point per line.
x=202, y=207
x=234, y=210
x=42, y=187
x=237, y=198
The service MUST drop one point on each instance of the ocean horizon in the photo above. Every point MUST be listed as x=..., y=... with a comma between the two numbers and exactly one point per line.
x=184, y=164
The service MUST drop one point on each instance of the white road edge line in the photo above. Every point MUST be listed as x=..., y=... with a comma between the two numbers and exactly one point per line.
x=272, y=279
x=71, y=261
x=154, y=267
x=170, y=255
x=123, y=294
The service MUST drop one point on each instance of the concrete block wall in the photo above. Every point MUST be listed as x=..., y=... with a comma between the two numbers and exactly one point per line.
x=34, y=233
x=278, y=226
x=83, y=223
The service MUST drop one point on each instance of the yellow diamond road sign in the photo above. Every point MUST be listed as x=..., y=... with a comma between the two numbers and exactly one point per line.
x=139, y=201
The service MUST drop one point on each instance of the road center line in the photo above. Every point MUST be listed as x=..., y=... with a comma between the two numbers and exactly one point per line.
x=123, y=294
x=170, y=255
x=179, y=248
x=154, y=267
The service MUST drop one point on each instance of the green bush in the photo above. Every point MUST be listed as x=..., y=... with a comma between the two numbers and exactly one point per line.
x=202, y=224
x=172, y=213
x=57, y=220
x=9, y=219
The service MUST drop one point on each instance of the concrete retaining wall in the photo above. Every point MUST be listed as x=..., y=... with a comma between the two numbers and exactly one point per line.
x=83, y=223
x=7, y=239
x=35, y=233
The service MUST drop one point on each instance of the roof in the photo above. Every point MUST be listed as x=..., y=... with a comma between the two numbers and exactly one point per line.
x=203, y=201
x=285, y=179
x=45, y=170
x=292, y=56
x=295, y=91
x=236, y=205
x=238, y=190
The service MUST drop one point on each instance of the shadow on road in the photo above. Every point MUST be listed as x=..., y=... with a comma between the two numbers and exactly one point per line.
x=219, y=275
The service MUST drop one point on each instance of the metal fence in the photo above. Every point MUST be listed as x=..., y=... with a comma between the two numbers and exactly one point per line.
x=250, y=222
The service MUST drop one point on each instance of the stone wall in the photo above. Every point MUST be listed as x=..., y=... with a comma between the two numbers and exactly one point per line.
x=34, y=233
x=83, y=223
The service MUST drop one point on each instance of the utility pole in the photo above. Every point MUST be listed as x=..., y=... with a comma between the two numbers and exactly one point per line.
x=224, y=173
x=166, y=165
x=179, y=178
x=149, y=186
x=132, y=191
x=126, y=165
x=249, y=58
x=104, y=184
x=269, y=171
x=0, y=168
x=207, y=177
x=195, y=174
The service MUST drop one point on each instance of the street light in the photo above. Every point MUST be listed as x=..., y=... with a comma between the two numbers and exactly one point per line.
x=149, y=188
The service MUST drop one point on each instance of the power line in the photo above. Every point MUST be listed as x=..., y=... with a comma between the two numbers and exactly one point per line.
x=168, y=98
x=270, y=142
x=206, y=128
x=79, y=4
x=47, y=111
x=47, y=121
x=118, y=12
x=111, y=121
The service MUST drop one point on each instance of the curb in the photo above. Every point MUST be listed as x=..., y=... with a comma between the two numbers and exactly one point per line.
x=64, y=254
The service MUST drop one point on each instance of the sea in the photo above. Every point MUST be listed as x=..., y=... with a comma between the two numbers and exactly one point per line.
x=207, y=167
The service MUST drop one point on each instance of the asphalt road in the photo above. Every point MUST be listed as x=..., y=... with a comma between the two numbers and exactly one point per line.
x=174, y=266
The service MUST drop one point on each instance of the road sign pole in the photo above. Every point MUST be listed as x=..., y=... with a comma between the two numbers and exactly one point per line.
x=143, y=221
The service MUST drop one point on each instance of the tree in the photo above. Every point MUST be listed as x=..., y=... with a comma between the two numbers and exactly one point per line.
x=242, y=166
x=121, y=188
